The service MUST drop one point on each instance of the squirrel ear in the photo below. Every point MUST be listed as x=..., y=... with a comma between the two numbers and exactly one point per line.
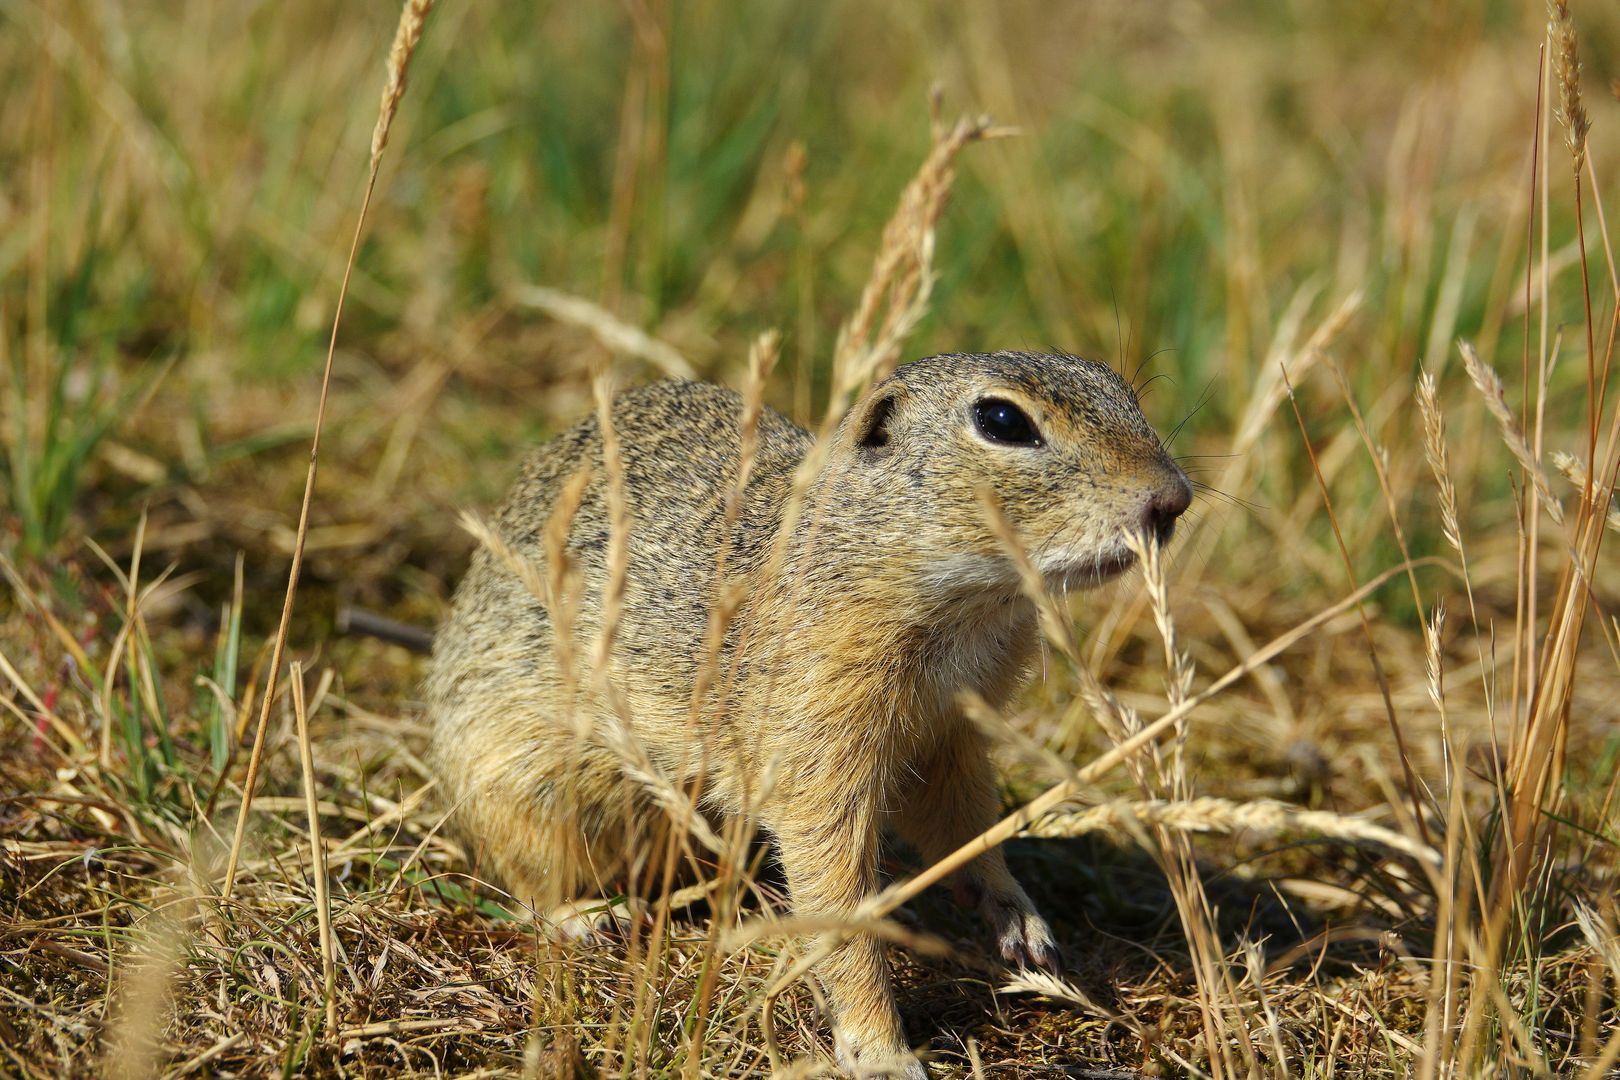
x=872, y=425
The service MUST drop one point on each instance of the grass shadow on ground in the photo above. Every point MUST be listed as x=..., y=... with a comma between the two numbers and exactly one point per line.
x=1115, y=919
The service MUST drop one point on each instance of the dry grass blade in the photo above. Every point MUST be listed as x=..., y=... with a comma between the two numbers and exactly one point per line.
x=1572, y=112
x=1413, y=792
x=1119, y=721
x=898, y=288
x=1053, y=622
x=618, y=513
x=1378, y=457
x=317, y=850
x=64, y=637
x=1567, y=60
x=524, y=569
x=412, y=18
x=1216, y=985
x=560, y=591
x=1433, y=631
x=635, y=763
x=1036, y=981
x=1434, y=452
x=612, y=331
x=1272, y=389
x=1603, y=939
x=995, y=727
x=70, y=736
x=762, y=357
x=1439, y=461
x=132, y=589
x=1178, y=665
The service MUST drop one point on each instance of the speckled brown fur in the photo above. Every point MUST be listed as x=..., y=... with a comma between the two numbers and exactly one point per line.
x=841, y=671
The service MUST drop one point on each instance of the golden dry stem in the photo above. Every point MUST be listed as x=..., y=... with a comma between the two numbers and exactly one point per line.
x=411, y=21
x=1573, y=471
x=317, y=849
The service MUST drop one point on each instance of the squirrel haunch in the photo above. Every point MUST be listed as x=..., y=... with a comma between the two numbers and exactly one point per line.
x=831, y=705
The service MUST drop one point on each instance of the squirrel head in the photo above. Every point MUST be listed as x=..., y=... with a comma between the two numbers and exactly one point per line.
x=1059, y=442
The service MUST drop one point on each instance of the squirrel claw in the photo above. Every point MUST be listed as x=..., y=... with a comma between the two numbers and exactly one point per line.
x=1026, y=940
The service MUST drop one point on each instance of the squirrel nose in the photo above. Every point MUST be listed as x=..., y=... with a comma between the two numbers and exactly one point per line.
x=1167, y=503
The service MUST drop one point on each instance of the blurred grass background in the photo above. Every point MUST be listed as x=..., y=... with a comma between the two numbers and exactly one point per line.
x=1195, y=183
x=1200, y=191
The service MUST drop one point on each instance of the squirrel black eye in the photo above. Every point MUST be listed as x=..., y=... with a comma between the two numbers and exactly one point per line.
x=1003, y=422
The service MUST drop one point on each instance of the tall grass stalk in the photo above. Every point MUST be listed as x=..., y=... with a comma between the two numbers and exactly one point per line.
x=412, y=20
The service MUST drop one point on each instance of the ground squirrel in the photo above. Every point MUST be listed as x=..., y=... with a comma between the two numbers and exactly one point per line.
x=840, y=673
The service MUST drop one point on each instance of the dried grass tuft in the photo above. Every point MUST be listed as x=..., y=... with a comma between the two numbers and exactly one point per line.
x=317, y=849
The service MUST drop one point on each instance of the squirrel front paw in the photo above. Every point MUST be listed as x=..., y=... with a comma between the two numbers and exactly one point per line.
x=901, y=1064
x=1023, y=937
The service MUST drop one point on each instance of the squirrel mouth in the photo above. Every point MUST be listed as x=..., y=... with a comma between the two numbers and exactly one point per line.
x=1091, y=572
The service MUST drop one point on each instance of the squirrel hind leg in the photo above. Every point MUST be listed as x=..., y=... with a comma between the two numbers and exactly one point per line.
x=559, y=837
